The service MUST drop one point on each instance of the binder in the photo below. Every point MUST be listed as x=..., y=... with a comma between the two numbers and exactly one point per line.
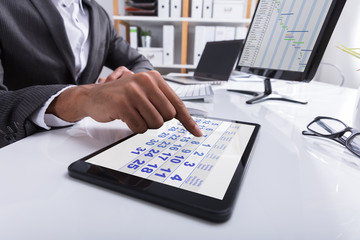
x=134, y=36
x=175, y=8
x=163, y=8
x=223, y=33
x=220, y=32
x=230, y=33
x=197, y=8
x=203, y=34
x=207, y=8
x=198, y=43
x=168, y=44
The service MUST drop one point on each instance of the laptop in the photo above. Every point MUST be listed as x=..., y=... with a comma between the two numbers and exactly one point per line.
x=215, y=65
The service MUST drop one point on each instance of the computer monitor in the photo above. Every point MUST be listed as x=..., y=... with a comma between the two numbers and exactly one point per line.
x=286, y=40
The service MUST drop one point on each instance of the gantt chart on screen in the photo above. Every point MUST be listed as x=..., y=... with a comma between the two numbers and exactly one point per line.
x=283, y=34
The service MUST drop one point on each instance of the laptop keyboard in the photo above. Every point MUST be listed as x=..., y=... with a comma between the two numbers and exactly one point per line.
x=195, y=92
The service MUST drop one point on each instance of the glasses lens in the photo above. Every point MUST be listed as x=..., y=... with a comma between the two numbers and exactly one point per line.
x=354, y=143
x=324, y=126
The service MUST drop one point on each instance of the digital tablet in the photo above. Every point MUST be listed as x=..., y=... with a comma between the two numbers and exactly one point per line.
x=199, y=176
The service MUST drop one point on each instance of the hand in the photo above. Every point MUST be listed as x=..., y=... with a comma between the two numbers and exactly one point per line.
x=143, y=101
x=118, y=73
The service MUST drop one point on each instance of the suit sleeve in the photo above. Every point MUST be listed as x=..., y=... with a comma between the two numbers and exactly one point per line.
x=17, y=106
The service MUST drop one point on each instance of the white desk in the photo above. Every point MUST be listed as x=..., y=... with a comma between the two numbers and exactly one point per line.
x=296, y=187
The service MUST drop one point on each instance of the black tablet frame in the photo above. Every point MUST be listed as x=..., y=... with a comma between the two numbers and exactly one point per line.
x=192, y=203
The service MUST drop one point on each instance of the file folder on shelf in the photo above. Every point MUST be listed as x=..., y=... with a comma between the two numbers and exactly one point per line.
x=175, y=8
x=207, y=9
x=196, y=8
x=223, y=33
x=168, y=44
x=134, y=35
x=164, y=8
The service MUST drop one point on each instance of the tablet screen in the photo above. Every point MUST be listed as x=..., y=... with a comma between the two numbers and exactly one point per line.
x=172, y=156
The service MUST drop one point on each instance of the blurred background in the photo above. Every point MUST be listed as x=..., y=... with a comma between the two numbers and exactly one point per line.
x=336, y=64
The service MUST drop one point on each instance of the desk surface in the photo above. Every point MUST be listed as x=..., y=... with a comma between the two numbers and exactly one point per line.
x=296, y=187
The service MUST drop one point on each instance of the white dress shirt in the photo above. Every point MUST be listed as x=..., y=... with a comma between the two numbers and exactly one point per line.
x=76, y=21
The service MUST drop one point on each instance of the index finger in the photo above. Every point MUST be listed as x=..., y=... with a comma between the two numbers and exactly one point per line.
x=182, y=114
x=188, y=122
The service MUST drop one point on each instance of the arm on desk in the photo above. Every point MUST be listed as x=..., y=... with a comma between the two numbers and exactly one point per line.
x=143, y=101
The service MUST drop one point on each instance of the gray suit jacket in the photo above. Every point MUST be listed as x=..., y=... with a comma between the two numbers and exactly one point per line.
x=36, y=59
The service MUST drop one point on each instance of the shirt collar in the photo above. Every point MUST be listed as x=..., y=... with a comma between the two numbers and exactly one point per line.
x=67, y=3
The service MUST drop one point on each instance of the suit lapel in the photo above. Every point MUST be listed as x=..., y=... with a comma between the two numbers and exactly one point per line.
x=94, y=41
x=55, y=24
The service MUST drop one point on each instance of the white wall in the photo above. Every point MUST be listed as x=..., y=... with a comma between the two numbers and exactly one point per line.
x=347, y=32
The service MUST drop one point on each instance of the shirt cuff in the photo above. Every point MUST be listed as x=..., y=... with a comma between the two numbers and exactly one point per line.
x=46, y=120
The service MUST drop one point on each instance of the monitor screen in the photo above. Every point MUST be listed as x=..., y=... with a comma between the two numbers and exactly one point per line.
x=287, y=39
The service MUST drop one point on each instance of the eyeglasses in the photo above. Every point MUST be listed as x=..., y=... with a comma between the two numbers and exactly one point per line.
x=336, y=130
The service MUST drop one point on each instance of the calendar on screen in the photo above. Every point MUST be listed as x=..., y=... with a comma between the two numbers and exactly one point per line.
x=174, y=157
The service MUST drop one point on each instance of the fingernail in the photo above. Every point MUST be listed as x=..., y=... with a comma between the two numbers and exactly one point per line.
x=198, y=132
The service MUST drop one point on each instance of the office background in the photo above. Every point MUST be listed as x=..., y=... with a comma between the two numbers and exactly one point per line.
x=335, y=64
x=296, y=187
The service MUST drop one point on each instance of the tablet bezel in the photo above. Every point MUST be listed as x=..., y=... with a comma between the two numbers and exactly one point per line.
x=185, y=201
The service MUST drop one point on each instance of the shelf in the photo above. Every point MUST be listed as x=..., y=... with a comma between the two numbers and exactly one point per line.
x=180, y=20
x=182, y=24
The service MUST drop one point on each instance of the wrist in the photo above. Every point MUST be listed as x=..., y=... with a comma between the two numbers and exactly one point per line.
x=70, y=104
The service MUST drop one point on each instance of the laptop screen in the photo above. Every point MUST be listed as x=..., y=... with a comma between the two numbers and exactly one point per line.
x=218, y=59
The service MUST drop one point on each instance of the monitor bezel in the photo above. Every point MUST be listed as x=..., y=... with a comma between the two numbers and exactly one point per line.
x=315, y=58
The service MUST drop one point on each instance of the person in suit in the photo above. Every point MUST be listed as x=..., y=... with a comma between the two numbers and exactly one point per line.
x=51, y=54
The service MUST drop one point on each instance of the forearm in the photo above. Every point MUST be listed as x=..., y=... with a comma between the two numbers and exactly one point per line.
x=71, y=104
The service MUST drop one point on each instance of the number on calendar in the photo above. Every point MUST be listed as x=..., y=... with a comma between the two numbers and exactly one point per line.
x=199, y=153
x=174, y=137
x=149, y=168
x=188, y=164
x=136, y=164
x=151, y=153
x=164, y=170
x=185, y=139
x=173, y=148
x=173, y=129
x=138, y=150
x=146, y=170
x=176, y=177
x=164, y=144
x=163, y=135
x=164, y=156
x=152, y=142
x=186, y=151
x=177, y=159
x=182, y=130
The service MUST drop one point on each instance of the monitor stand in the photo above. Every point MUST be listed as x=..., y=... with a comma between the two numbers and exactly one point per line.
x=268, y=94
